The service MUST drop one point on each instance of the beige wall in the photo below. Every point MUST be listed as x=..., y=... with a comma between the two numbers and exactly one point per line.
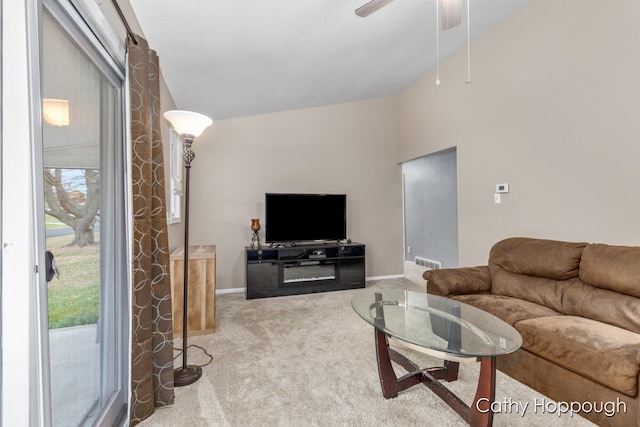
x=346, y=148
x=554, y=110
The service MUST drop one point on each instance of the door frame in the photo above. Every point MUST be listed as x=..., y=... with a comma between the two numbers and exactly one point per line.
x=84, y=23
x=25, y=378
x=22, y=397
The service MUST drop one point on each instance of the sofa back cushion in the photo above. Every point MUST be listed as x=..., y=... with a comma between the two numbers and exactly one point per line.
x=603, y=305
x=616, y=268
x=609, y=286
x=536, y=270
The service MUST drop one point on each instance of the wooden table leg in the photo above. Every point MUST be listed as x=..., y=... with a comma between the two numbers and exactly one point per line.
x=388, y=378
x=479, y=414
x=480, y=411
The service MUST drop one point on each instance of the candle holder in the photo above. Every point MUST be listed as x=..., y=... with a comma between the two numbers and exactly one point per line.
x=255, y=239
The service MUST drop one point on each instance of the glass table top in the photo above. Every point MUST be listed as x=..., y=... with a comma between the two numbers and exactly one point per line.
x=436, y=323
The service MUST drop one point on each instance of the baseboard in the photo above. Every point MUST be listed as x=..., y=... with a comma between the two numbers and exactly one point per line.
x=391, y=276
x=230, y=291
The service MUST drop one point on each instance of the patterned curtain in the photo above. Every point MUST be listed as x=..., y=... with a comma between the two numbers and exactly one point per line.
x=152, y=334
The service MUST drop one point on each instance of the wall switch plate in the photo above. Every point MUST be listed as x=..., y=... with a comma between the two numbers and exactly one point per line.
x=502, y=188
x=408, y=249
x=497, y=198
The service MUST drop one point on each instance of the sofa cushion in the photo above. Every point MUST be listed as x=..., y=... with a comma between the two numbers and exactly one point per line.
x=538, y=290
x=537, y=257
x=609, y=286
x=616, y=268
x=509, y=309
x=604, y=305
x=601, y=352
x=535, y=270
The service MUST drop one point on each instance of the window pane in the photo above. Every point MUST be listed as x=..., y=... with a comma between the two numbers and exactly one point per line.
x=81, y=107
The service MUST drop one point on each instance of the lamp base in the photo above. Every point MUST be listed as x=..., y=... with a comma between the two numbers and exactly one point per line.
x=186, y=376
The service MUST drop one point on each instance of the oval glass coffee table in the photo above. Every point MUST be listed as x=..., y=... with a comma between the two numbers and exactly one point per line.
x=441, y=327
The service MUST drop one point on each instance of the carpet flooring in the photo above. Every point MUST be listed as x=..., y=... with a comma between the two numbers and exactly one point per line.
x=309, y=360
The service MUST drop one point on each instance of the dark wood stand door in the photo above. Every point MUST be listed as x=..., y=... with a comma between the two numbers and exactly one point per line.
x=352, y=271
x=263, y=277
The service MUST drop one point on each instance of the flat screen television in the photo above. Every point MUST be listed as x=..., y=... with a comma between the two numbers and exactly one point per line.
x=291, y=218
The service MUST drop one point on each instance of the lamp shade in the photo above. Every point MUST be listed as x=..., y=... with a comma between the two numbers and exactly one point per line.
x=56, y=111
x=187, y=122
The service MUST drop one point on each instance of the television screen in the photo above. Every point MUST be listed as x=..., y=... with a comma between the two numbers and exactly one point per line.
x=305, y=217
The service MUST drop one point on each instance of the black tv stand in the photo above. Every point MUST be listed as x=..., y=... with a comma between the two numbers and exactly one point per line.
x=304, y=268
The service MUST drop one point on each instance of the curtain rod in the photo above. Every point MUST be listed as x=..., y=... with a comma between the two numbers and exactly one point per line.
x=124, y=21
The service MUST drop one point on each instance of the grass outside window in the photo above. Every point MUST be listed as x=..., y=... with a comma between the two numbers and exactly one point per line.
x=74, y=297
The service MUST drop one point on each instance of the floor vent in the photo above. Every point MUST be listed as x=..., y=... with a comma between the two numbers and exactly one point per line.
x=429, y=263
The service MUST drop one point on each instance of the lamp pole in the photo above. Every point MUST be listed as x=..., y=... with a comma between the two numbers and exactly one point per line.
x=188, y=125
x=187, y=374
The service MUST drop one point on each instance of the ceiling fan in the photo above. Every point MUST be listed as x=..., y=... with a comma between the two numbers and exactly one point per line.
x=451, y=11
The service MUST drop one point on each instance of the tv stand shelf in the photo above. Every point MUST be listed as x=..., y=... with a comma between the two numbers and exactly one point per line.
x=303, y=269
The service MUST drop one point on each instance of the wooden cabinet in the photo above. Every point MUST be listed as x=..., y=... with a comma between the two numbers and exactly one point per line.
x=202, y=289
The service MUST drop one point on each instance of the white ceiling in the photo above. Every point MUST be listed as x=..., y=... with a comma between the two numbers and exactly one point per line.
x=232, y=58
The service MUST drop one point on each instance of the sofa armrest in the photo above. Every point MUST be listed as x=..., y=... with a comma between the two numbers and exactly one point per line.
x=458, y=281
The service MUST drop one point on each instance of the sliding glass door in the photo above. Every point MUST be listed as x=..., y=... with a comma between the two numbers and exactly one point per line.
x=83, y=201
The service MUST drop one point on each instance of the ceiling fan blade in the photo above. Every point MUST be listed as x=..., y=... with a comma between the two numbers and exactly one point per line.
x=451, y=13
x=368, y=8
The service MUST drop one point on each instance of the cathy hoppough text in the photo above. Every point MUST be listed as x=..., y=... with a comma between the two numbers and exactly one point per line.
x=543, y=406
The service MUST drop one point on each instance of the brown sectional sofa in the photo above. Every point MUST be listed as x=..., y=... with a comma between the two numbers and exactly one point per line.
x=577, y=307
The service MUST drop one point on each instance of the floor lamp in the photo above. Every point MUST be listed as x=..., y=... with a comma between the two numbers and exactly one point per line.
x=189, y=126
